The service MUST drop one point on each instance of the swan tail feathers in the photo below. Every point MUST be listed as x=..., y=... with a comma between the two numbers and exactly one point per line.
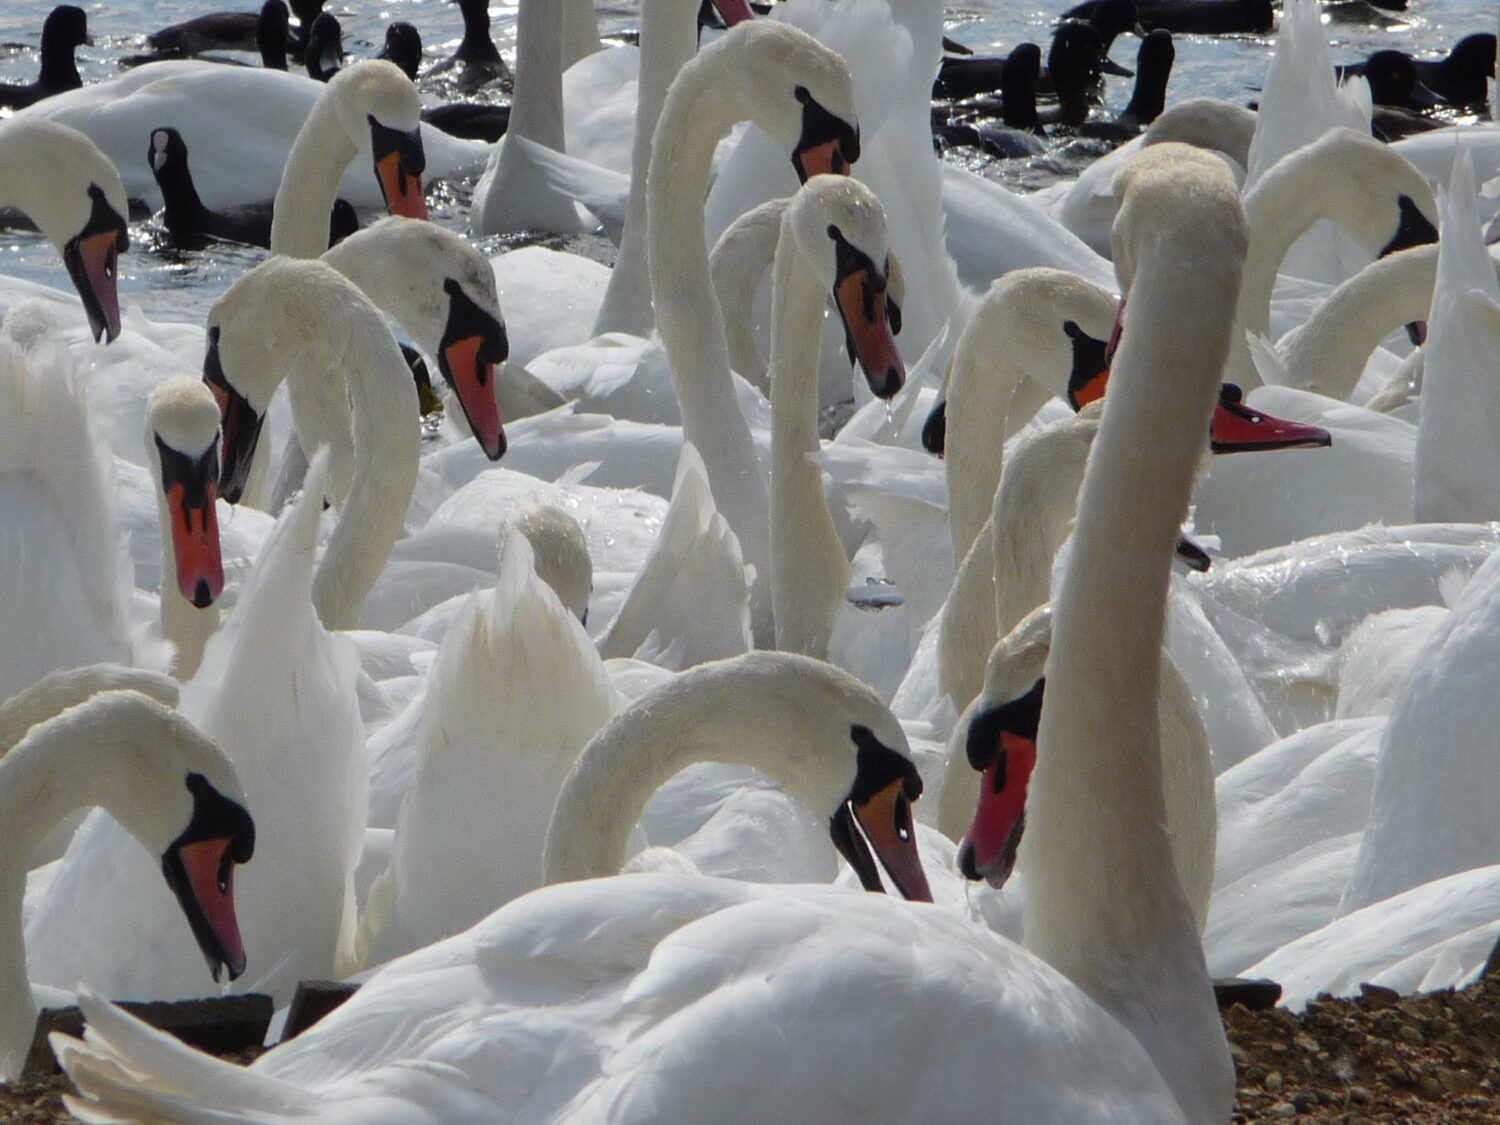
x=126, y=1070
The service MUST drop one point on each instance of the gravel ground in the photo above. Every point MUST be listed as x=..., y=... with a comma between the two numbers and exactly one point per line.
x=1432, y=1059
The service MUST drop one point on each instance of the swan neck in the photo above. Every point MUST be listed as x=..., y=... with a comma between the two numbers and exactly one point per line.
x=387, y=446
x=310, y=183
x=537, y=102
x=979, y=391
x=809, y=573
x=186, y=626
x=697, y=112
x=729, y=712
x=1328, y=352
x=1104, y=904
x=669, y=38
x=1282, y=205
x=74, y=763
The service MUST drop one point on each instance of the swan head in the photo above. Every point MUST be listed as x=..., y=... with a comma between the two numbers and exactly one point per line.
x=381, y=112
x=839, y=227
x=282, y=311
x=802, y=92
x=442, y=291
x=814, y=721
x=560, y=554
x=182, y=440
x=183, y=801
x=80, y=206
x=998, y=739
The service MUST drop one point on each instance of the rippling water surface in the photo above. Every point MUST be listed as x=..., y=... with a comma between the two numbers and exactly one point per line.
x=176, y=285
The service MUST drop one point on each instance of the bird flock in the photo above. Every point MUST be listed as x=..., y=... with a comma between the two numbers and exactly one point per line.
x=879, y=648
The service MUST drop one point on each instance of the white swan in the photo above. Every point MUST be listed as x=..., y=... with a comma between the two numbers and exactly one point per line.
x=241, y=124
x=799, y=92
x=340, y=337
x=170, y=788
x=630, y=979
x=277, y=692
x=993, y=752
x=832, y=247
x=58, y=178
x=182, y=447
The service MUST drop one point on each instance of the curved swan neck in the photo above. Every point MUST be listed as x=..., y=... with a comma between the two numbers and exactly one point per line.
x=809, y=571
x=55, y=692
x=669, y=38
x=387, y=448
x=979, y=388
x=752, y=711
x=697, y=113
x=310, y=183
x=739, y=261
x=1104, y=904
x=80, y=759
x=1327, y=352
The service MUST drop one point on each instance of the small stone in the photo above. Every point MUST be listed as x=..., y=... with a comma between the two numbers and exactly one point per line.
x=1307, y=1043
x=1360, y=1096
x=1282, y=1109
x=1273, y=1082
x=1409, y=1034
x=1378, y=996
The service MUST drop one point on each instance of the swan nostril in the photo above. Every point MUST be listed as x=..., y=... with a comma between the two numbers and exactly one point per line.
x=202, y=598
x=967, y=865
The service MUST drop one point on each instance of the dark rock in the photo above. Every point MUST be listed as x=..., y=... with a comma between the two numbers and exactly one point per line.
x=314, y=999
x=1256, y=994
x=219, y=1025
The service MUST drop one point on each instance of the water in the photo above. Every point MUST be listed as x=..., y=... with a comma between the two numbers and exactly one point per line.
x=168, y=284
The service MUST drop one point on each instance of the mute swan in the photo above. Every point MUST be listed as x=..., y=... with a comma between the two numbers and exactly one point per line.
x=628, y=978
x=339, y=334
x=170, y=788
x=1179, y=241
x=70, y=190
x=515, y=692
x=65, y=28
x=1375, y=196
x=800, y=93
x=182, y=447
x=993, y=752
x=833, y=247
x=241, y=123
x=276, y=692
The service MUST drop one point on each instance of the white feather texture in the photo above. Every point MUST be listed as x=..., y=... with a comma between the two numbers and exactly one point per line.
x=515, y=692
x=693, y=590
x=67, y=573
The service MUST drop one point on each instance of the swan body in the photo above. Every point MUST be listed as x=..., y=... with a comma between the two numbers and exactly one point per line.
x=68, y=574
x=171, y=789
x=261, y=110
x=515, y=661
